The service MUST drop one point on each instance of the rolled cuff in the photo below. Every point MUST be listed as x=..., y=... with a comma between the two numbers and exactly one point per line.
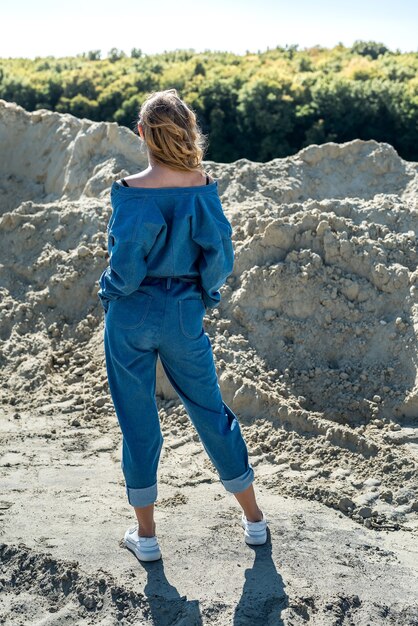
x=235, y=485
x=142, y=497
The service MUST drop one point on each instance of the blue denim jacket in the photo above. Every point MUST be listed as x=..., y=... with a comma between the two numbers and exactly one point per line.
x=166, y=232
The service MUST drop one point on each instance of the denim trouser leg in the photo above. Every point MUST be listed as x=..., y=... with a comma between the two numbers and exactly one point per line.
x=165, y=317
x=131, y=377
x=193, y=375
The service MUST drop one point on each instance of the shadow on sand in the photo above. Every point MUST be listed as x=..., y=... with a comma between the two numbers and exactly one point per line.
x=262, y=599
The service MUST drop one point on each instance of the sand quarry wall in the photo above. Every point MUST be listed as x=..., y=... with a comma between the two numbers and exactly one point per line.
x=316, y=333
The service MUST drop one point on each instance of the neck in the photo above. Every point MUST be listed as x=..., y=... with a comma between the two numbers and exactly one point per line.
x=163, y=171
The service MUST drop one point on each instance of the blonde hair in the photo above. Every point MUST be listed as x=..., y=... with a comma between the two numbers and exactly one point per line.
x=171, y=131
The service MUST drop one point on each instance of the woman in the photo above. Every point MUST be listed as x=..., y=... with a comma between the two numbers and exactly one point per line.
x=170, y=251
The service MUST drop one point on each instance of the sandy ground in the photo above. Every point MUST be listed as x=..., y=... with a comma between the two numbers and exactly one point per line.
x=64, y=514
x=315, y=342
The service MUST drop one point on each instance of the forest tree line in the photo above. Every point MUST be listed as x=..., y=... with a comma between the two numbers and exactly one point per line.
x=257, y=105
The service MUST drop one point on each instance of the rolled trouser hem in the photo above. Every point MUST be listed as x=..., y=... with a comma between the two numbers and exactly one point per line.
x=142, y=497
x=235, y=485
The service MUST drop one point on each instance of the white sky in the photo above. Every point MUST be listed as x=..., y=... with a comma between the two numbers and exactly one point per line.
x=31, y=28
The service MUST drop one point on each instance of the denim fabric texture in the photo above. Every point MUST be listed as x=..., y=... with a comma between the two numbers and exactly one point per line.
x=167, y=232
x=146, y=316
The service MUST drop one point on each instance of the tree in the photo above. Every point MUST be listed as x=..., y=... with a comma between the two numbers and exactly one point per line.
x=199, y=69
x=115, y=55
x=93, y=55
x=267, y=117
x=136, y=53
x=369, y=48
x=80, y=106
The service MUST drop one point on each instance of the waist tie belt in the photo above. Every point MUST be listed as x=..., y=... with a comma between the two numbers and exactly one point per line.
x=149, y=280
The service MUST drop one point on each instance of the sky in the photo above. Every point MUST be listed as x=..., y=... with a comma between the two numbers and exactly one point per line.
x=46, y=27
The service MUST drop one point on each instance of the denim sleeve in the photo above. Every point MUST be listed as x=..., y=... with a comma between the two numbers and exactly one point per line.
x=212, y=232
x=128, y=246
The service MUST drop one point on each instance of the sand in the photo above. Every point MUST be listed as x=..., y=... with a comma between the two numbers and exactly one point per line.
x=315, y=342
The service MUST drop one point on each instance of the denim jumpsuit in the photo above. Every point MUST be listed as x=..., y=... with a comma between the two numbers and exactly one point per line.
x=170, y=251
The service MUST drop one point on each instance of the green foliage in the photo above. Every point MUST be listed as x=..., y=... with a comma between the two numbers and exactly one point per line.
x=136, y=53
x=267, y=117
x=19, y=90
x=80, y=106
x=93, y=55
x=115, y=55
x=369, y=48
x=258, y=105
x=200, y=69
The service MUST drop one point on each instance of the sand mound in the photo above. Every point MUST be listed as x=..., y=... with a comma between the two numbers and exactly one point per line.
x=315, y=337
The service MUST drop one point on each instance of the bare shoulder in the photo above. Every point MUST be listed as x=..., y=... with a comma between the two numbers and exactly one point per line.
x=141, y=179
x=150, y=180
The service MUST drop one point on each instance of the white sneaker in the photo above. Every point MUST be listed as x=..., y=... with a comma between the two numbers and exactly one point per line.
x=145, y=548
x=255, y=533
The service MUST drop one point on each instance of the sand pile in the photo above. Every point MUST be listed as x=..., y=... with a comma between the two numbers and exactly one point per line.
x=315, y=338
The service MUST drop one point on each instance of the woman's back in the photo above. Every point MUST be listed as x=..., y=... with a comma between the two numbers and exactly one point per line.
x=167, y=231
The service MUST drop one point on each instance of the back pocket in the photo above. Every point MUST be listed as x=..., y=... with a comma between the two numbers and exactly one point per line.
x=191, y=312
x=129, y=311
